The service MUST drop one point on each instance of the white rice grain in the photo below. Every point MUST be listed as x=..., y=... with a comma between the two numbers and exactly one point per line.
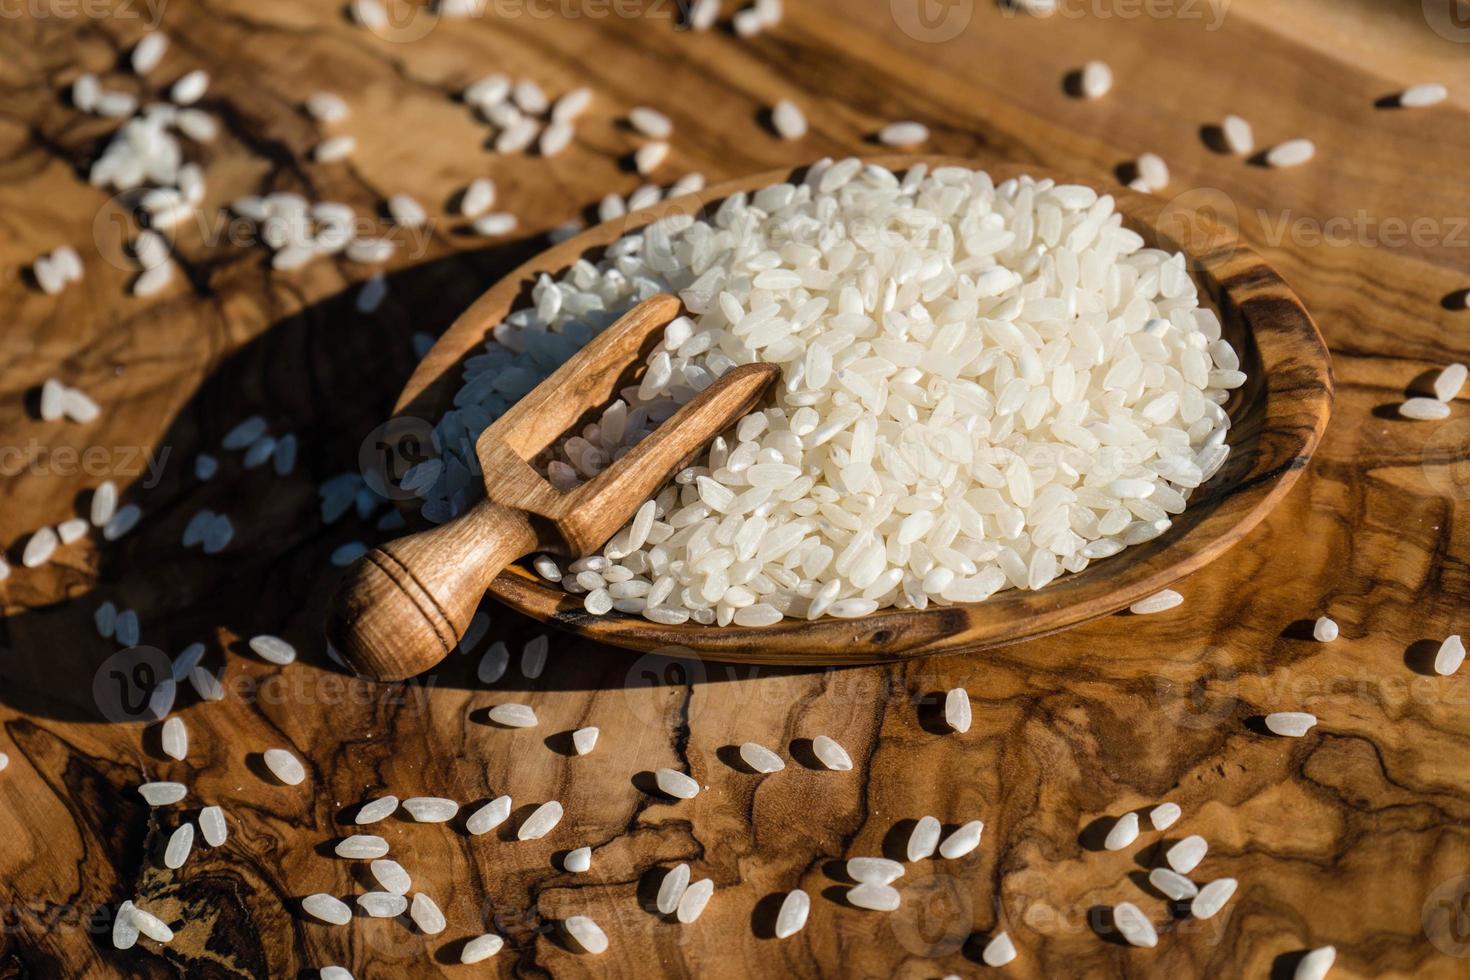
x=999, y=951
x=791, y=917
x=1450, y=656
x=830, y=754
x=213, y=826
x=903, y=134
x=1172, y=884
x=760, y=758
x=1134, y=925
x=426, y=915
x=1239, y=137
x=174, y=738
x=1424, y=409
x=651, y=123
x=1186, y=855
x=1123, y=832
x=874, y=869
x=391, y=875
x=431, y=809
x=180, y=843
x=361, y=847
x=1292, y=153
x=788, y=120
x=489, y=816
x=692, y=903
x=1156, y=603
x=1293, y=724
x=587, y=934
x=671, y=888
x=1316, y=964
x=676, y=784
x=1422, y=95
x=273, y=649
x=481, y=948
x=1448, y=383
x=962, y=841
x=1165, y=815
x=541, y=821
x=1097, y=79
x=1212, y=898
x=285, y=766
x=923, y=839
x=873, y=896
x=957, y=710
x=513, y=715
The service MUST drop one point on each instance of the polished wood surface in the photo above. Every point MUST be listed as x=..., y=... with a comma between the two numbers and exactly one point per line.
x=1357, y=835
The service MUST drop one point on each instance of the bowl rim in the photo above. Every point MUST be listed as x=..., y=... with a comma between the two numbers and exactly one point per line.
x=1297, y=386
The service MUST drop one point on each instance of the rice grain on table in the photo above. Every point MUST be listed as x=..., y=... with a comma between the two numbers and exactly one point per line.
x=1292, y=153
x=334, y=148
x=382, y=905
x=831, y=754
x=957, y=710
x=584, y=739
x=327, y=107
x=1158, y=602
x=72, y=530
x=1425, y=94
x=1424, y=409
x=587, y=934
x=1450, y=656
x=533, y=656
x=788, y=120
x=1448, y=383
x=530, y=97
x=873, y=896
x=174, y=739
x=431, y=809
x=1324, y=630
x=489, y=816
x=874, y=869
x=212, y=825
x=1123, y=832
x=577, y=860
x=391, y=875
x=1172, y=884
x=273, y=649
x=650, y=156
x=361, y=847
x=651, y=123
x=923, y=838
x=39, y=548
x=426, y=915
x=1097, y=79
x=999, y=951
x=1212, y=898
x=190, y=88
x=494, y=664
x=692, y=903
x=903, y=134
x=481, y=948
x=495, y=224
x=1164, y=816
x=180, y=843
x=671, y=888
x=760, y=758
x=791, y=917
x=1315, y=964
x=124, y=927
x=1186, y=855
x=513, y=715
x=962, y=840
x=541, y=821
x=126, y=629
x=151, y=925
x=1293, y=724
x=1134, y=925
x=1153, y=170
x=676, y=784
x=328, y=908
x=206, y=685
x=285, y=766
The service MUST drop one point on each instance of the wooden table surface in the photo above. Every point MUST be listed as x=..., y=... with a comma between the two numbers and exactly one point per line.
x=1357, y=835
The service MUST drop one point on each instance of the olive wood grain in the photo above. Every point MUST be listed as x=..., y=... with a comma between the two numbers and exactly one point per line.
x=1277, y=418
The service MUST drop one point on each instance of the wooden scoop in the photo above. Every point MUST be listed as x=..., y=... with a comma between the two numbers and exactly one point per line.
x=402, y=607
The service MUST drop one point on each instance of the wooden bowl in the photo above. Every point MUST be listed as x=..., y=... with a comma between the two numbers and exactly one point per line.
x=1277, y=419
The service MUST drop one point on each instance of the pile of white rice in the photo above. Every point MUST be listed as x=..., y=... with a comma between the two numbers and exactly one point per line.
x=982, y=387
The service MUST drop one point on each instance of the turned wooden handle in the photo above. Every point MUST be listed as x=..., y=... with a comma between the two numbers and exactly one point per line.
x=402, y=607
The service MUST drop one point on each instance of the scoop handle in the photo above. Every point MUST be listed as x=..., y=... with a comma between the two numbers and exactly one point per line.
x=403, y=606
